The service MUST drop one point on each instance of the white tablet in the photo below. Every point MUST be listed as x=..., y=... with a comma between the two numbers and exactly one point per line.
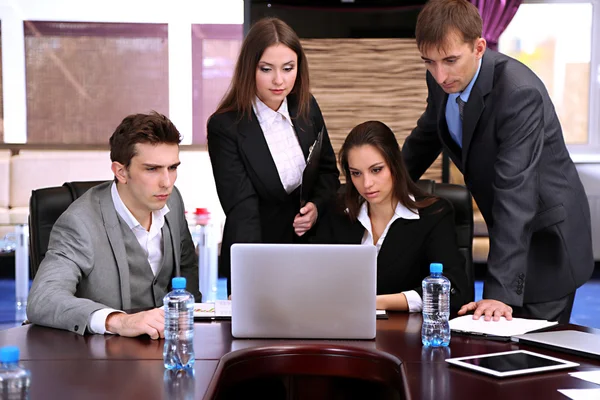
x=511, y=363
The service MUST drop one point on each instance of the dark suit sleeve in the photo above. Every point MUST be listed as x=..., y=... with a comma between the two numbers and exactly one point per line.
x=442, y=247
x=324, y=230
x=423, y=146
x=236, y=193
x=520, y=135
x=329, y=176
x=188, y=262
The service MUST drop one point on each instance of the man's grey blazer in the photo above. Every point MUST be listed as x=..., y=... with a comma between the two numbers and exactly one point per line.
x=516, y=165
x=85, y=268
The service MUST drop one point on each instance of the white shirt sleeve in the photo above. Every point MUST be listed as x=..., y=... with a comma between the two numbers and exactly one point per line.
x=415, y=303
x=98, y=320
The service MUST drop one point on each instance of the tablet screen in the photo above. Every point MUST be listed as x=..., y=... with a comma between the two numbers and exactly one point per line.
x=511, y=363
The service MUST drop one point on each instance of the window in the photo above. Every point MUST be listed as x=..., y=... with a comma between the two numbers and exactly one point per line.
x=72, y=70
x=215, y=49
x=560, y=47
x=84, y=78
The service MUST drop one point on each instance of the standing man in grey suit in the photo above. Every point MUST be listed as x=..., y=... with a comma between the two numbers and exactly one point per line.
x=494, y=118
x=118, y=246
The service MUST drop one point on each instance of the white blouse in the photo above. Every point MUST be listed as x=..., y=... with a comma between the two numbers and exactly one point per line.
x=415, y=303
x=283, y=143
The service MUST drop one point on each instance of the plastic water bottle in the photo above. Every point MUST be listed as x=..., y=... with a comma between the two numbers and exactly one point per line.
x=179, y=384
x=436, y=308
x=14, y=379
x=179, y=327
x=208, y=255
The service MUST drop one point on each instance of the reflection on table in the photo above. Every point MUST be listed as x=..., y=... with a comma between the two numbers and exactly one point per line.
x=67, y=365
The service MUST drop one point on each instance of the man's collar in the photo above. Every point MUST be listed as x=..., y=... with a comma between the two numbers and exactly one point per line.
x=130, y=220
x=464, y=95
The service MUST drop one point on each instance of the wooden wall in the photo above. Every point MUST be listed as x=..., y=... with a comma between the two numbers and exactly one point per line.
x=357, y=80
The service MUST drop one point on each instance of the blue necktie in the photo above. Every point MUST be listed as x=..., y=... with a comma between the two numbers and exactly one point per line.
x=461, y=106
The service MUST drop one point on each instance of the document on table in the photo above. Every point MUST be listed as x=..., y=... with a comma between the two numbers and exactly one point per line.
x=501, y=329
x=581, y=394
x=590, y=376
x=220, y=309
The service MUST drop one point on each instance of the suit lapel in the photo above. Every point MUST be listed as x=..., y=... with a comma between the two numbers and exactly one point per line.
x=398, y=240
x=256, y=150
x=476, y=104
x=115, y=237
x=175, y=242
x=305, y=133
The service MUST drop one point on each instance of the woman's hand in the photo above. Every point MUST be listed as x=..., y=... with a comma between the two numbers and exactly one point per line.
x=305, y=219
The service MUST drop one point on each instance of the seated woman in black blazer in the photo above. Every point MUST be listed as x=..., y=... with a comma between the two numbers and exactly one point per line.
x=382, y=206
x=259, y=139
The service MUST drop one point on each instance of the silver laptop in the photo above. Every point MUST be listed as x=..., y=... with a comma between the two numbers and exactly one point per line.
x=581, y=343
x=303, y=291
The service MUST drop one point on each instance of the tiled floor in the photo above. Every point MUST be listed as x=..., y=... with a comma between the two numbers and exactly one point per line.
x=585, y=310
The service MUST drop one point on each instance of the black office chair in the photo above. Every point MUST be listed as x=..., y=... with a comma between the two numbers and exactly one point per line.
x=460, y=198
x=45, y=206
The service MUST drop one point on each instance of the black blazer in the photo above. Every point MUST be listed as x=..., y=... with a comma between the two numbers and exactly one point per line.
x=256, y=205
x=407, y=250
x=517, y=167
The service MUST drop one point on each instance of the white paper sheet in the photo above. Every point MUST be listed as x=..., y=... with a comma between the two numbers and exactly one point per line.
x=590, y=376
x=504, y=328
x=581, y=394
x=223, y=308
x=220, y=308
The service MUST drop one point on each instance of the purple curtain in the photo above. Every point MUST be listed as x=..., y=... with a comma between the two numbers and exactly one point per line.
x=496, y=15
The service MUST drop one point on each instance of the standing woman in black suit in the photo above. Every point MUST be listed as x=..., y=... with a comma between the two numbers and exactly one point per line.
x=383, y=207
x=259, y=139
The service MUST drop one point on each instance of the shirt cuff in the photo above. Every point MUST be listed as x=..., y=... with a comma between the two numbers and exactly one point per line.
x=98, y=320
x=415, y=303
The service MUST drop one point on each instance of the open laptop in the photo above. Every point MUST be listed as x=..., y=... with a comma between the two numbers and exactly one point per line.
x=576, y=342
x=303, y=291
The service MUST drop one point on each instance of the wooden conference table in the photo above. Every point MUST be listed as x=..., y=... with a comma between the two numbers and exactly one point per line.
x=68, y=366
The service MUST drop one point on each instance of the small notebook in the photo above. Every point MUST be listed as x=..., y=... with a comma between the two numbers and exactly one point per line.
x=501, y=330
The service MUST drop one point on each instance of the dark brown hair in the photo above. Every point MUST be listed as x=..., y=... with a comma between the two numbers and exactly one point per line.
x=242, y=90
x=380, y=136
x=440, y=18
x=153, y=128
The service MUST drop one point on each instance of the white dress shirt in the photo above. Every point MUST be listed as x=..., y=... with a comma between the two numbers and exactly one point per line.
x=415, y=303
x=150, y=241
x=281, y=138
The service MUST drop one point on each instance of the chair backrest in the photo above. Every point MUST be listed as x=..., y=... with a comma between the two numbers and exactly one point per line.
x=460, y=198
x=45, y=206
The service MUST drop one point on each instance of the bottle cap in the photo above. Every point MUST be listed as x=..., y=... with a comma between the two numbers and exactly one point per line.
x=201, y=211
x=9, y=354
x=178, y=282
x=436, y=268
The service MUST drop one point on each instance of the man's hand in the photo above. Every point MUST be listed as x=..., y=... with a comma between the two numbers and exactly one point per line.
x=489, y=309
x=305, y=219
x=150, y=322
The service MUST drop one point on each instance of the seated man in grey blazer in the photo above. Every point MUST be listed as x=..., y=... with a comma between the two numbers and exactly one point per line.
x=117, y=247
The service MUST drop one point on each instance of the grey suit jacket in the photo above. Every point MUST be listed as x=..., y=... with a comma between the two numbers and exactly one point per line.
x=85, y=268
x=516, y=165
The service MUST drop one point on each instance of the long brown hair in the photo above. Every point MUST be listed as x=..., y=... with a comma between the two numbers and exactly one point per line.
x=242, y=90
x=380, y=136
x=440, y=18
